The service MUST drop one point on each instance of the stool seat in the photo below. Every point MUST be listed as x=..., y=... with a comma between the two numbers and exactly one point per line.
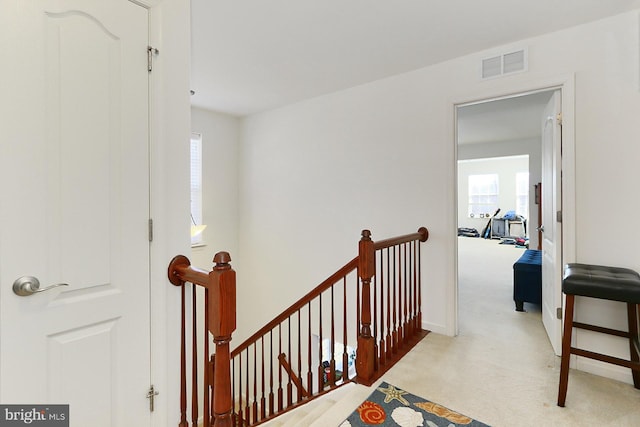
x=597, y=281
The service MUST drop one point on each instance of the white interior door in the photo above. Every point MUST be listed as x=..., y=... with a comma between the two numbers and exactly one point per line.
x=74, y=180
x=552, y=232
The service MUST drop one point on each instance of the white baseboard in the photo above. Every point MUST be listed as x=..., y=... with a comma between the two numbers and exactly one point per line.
x=607, y=370
x=436, y=328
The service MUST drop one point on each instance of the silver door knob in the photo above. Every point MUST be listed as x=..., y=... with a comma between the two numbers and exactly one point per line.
x=540, y=229
x=29, y=285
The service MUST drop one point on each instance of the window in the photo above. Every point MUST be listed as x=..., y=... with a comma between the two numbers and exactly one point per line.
x=196, y=187
x=522, y=194
x=483, y=195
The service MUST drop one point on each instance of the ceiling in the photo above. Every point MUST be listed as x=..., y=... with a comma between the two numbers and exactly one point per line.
x=510, y=119
x=249, y=55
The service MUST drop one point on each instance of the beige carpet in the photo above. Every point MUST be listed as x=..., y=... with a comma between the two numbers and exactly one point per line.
x=501, y=369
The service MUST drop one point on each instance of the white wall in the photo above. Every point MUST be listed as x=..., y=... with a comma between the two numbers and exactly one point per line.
x=506, y=168
x=220, y=141
x=381, y=156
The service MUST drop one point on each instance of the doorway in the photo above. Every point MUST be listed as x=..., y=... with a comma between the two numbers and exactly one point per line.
x=501, y=128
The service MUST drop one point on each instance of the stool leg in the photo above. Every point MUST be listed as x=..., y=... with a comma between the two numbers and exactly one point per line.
x=566, y=350
x=632, y=310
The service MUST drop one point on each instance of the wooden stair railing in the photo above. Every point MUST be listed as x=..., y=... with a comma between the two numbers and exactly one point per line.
x=220, y=321
x=374, y=300
x=391, y=314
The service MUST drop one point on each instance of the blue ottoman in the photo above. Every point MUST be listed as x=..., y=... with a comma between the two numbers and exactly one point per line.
x=527, y=279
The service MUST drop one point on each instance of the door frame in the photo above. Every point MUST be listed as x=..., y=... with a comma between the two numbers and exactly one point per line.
x=566, y=85
x=169, y=121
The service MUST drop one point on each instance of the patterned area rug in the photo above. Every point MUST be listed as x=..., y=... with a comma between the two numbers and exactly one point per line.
x=391, y=406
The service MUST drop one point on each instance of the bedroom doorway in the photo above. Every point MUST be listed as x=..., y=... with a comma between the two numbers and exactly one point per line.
x=491, y=137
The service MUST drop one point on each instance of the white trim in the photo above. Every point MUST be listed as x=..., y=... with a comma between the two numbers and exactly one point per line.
x=169, y=109
x=435, y=328
x=603, y=369
x=566, y=83
x=147, y=4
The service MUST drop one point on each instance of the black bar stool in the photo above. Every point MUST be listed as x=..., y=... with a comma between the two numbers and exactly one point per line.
x=611, y=283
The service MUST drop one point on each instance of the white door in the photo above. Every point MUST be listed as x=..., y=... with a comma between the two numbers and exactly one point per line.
x=74, y=208
x=551, y=233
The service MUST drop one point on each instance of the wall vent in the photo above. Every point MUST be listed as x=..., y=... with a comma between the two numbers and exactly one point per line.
x=507, y=63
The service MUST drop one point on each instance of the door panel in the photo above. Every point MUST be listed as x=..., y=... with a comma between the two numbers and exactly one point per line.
x=81, y=83
x=68, y=352
x=551, y=203
x=75, y=182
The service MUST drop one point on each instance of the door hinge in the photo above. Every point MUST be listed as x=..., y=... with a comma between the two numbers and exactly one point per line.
x=151, y=395
x=559, y=119
x=559, y=216
x=150, y=52
x=150, y=230
x=559, y=313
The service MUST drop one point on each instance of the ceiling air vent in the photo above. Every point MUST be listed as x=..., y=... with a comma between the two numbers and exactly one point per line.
x=507, y=63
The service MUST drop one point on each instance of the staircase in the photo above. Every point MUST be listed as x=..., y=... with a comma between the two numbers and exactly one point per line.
x=351, y=328
x=329, y=410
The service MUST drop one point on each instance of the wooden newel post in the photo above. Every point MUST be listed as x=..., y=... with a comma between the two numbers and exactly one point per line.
x=365, y=353
x=222, y=323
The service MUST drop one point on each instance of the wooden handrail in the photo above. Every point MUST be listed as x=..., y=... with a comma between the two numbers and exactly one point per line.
x=181, y=271
x=422, y=235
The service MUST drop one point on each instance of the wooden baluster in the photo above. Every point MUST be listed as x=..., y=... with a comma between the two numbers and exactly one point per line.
x=240, y=401
x=394, y=340
x=345, y=354
x=271, y=395
x=414, y=311
x=234, y=412
x=280, y=396
x=332, y=346
x=419, y=284
x=374, y=324
x=299, y=357
x=365, y=351
x=320, y=367
x=358, y=302
x=309, y=353
x=389, y=296
x=405, y=312
x=379, y=331
x=407, y=281
x=289, y=383
x=222, y=323
x=183, y=361
x=411, y=315
x=211, y=370
x=255, y=384
x=263, y=407
x=402, y=271
x=409, y=290
x=247, y=407
x=194, y=359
